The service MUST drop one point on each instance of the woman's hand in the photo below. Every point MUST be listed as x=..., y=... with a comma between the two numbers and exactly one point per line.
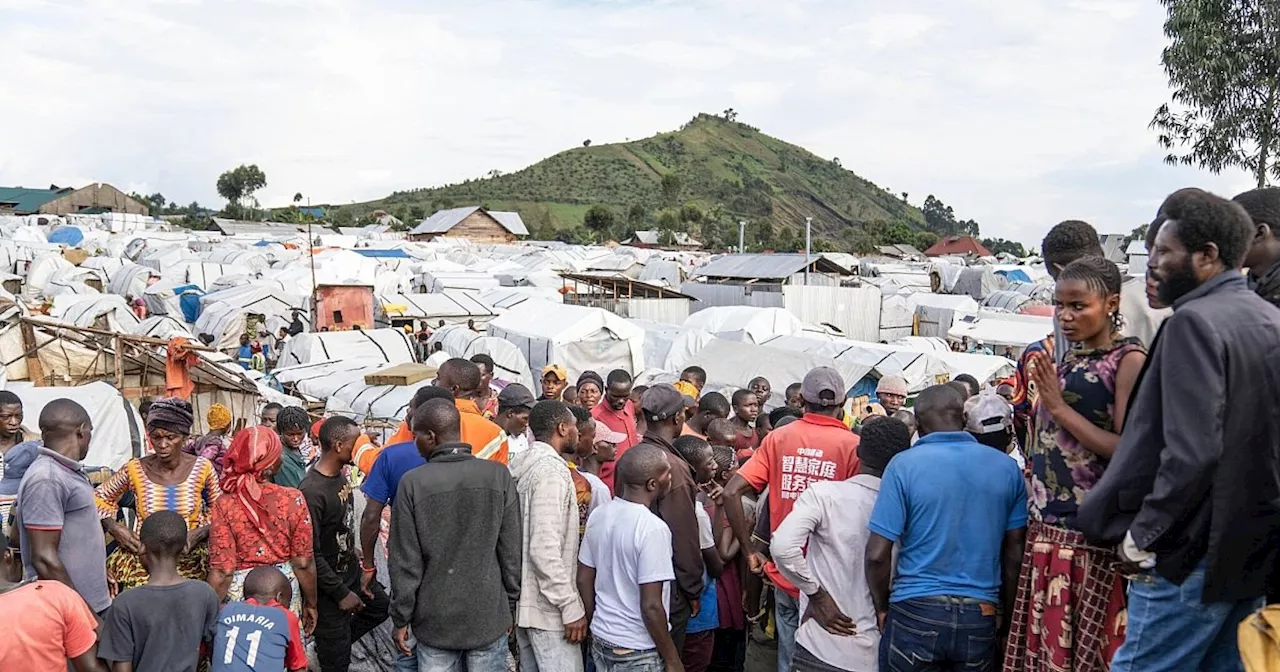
x=1044, y=373
x=195, y=538
x=124, y=536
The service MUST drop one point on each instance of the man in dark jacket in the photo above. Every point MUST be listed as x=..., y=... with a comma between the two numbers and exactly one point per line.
x=1263, y=258
x=455, y=550
x=1191, y=494
x=663, y=408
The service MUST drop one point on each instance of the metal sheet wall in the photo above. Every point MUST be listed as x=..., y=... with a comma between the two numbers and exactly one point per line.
x=709, y=295
x=853, y=310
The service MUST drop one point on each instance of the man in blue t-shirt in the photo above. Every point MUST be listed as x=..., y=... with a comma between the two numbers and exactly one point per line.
x=258, y=634
x=958, y=511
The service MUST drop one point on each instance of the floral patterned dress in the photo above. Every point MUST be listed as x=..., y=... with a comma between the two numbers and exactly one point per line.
x=1070, y=610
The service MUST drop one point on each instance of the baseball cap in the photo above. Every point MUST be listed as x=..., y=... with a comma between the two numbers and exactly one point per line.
x=986, y=413
x=606, y=435
x=892, y=385
x=556, y=369
x=16, y=462
x=662, y=401
x=515, y=395
x=823, y=379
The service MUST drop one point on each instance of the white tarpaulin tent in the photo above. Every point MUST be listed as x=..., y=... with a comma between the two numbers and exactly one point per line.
x=668, y=346
x=859, y=357
x=745, y=323
x=508, y=360
x=732, y=364
x=104, y=311
x=384, y=346
x=1018, y=331
x=504, y=298
x=575, y=337
x=117, y=428
x=454, y=307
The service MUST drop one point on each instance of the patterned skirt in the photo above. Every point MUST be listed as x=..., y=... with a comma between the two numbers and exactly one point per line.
x=125, y=570
x=1070, y=611
x=236, y=592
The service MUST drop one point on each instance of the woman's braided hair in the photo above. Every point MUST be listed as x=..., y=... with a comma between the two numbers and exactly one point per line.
x=1100, y=275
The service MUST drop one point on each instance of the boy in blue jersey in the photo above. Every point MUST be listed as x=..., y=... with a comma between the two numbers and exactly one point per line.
x=258, y=634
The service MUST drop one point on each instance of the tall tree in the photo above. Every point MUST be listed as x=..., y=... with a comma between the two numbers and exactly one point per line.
x=1223, y=62
x=672, y=186
x=600, y=220
x=240, y=182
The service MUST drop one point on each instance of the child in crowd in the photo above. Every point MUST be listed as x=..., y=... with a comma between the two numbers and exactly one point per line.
x=159, y=627
x=730, y=648
x=258, y=634
x=700, y=634
x=49, y=626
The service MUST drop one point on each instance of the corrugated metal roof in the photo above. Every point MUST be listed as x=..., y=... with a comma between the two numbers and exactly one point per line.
x=233, y=227
x=28, y=201
x=444, y=220
x=764, y=266
x=652, y=236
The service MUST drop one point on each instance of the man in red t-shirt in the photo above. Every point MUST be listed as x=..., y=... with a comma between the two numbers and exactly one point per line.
x=618, y=412
x=818, y=447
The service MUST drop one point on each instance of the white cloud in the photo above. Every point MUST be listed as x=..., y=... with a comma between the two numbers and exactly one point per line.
x=1018, y=114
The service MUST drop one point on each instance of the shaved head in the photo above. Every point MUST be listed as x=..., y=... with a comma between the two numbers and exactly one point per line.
x=439, y=417
x=61, y=417
x=940, y=409
x=267, y=581
x=460, y=376
x=641, y=464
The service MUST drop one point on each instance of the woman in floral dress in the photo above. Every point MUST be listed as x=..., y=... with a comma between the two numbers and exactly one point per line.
x=1069, y=613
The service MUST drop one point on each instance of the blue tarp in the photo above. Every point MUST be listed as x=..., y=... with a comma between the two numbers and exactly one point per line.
x=394, y=253
x=1015, y=275
x=189, y=301
x=67, y=235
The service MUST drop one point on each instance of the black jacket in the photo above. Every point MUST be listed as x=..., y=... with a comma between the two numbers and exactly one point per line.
x=1196, y=476
x=676, y=509
x=455, y=550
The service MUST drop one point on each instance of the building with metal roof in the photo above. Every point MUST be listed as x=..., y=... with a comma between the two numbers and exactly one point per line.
x=473, y=223
x=236, y=227
x=961, y=246
x=94, y=198
x=653, y=238
x=777, y=268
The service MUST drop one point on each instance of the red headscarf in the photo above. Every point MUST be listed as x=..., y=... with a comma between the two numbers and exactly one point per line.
x=253, y=451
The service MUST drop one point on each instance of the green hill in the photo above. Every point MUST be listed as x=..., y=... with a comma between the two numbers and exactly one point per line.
x=703, y=179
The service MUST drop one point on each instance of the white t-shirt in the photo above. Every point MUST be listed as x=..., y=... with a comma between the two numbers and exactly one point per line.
x=628, y=546
x=706, y=537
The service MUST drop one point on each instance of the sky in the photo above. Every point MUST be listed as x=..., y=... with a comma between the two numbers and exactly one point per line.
x=1017, y=113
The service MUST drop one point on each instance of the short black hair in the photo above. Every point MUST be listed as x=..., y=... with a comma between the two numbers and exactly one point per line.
x=426, y=393
x=882, y=438
x=1203, y=218
x=274, y=404
x=1070, y=240
x=335, y=429
x=714, y=402
x=740, y=396
x=265, y=581
x=439, y=416
x=618, y=377
x=720, y=426
x=778, y=414
x=969, y=382
x=724, y=457
x=639, y=464
x=62, y=416
x=1152, y=229
x=582, y=415
x=547, y=415
x=164, y=533
x=463, y=372
x=696, y=373
x=793, y=388
x=292, y=418
x=1263, y=206
x=485, y=361
x=1097, y=273
x=8, y=398
x=690, y=447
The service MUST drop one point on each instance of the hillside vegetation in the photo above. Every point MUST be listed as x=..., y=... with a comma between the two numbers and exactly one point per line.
x=701, y=179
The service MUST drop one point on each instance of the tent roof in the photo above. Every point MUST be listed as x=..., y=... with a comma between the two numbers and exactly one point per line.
x=624, y=286
x=766, y=266
x=446, y=304
x=444, y=220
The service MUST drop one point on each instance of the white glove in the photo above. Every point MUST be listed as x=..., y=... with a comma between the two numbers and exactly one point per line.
x=1129, y=552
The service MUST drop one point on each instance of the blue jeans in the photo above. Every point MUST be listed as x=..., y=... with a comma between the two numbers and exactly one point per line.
x=787, y=618
x=1171, y=630
x=488, y=658
x=609, y=658
x=936, y=634
x=405, y=663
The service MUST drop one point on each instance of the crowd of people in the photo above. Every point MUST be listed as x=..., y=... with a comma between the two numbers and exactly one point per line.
x=1114, y=505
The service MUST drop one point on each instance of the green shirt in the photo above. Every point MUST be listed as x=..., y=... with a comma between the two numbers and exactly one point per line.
x=292, y=468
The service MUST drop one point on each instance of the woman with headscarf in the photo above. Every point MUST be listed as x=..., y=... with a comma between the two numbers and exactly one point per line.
x=590, y=389
x=213, y=445
x=259, y=523
x=167, y=480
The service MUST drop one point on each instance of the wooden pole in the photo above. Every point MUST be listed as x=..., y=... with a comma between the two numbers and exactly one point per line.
x=118, y=359
x=35, y=373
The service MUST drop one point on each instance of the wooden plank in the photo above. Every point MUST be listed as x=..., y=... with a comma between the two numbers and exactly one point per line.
x=35, y=372
x=401, y=374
